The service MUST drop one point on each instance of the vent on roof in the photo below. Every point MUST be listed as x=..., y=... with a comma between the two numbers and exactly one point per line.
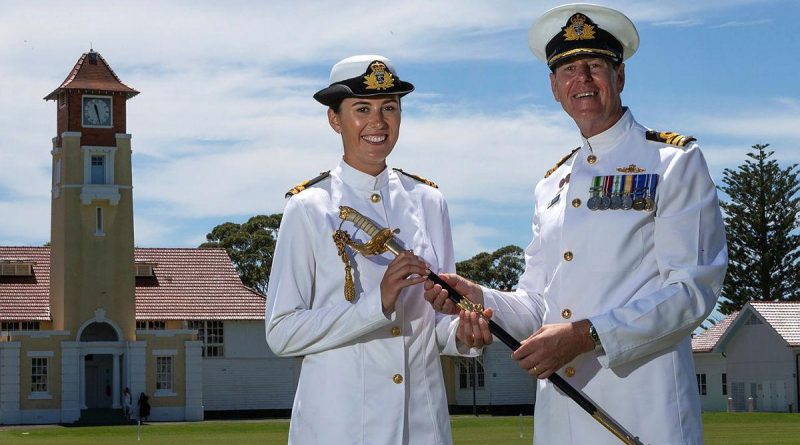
x=144, y=269
x=753, y=320
x=16, y=268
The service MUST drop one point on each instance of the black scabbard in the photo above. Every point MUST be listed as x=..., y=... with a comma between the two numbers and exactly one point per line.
x=554, y=378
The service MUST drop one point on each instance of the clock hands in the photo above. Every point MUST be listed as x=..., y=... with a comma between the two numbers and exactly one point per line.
x=96, y=112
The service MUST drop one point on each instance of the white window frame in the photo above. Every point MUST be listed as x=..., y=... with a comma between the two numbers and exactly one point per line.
x=465, y=366
x=164, y=372
x=107, y=191
x=217, y=328
x=99, y=222
x=40, y=360
x=110, y=155
x=702, y=387
x=151, y=325
x=144, y=269
x=16, y=269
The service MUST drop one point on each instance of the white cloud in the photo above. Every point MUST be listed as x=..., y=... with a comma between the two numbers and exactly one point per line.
x=743, y=23
x=470, y=239
x=225, y=125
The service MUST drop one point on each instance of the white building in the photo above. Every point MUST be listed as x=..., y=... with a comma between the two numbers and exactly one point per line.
x=751, y=359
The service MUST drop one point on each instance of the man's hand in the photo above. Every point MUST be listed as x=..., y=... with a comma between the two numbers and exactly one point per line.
x=437, y=296
x=552, y=347
x=473, y=330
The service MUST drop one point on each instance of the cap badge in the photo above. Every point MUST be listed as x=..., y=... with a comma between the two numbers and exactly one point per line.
x=578, y=29
x=379, y=77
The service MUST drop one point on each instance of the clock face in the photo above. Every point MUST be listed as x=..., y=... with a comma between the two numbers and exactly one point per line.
x=97, y=111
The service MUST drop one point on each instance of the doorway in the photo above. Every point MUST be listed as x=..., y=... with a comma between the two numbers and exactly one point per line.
x=99, y=380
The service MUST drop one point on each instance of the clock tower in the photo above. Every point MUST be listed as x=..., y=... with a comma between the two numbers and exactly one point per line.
x=92, y=270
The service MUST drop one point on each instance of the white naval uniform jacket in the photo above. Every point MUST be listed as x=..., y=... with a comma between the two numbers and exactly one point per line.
x=365, y=379
x=644, y=279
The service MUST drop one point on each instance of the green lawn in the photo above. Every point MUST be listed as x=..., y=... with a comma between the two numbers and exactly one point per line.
x=720, y=429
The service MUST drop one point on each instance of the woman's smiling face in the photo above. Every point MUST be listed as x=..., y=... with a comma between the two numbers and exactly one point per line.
x=369, y=127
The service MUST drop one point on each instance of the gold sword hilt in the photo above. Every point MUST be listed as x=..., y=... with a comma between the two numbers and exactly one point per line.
x=384, y=239
x=381, y=239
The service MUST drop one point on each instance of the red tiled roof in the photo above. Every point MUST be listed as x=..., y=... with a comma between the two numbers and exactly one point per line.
x=706, y=341
x=92, y=72
x=26, y=298
x=193, y=284
x=783, y=316
x=188, y=284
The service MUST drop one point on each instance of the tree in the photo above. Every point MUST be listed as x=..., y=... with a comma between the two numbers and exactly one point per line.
x=762, y=218
x=251, y=247
x=499, y=270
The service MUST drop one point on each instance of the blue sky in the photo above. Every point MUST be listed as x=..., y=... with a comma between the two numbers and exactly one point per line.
x=225, y=122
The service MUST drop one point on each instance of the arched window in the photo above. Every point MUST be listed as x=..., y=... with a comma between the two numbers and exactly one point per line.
x=99, y=332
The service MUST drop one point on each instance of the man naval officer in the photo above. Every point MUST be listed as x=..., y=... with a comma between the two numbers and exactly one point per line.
x=627, y=258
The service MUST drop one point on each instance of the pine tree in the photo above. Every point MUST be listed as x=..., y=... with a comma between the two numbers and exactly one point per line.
x=762, y=220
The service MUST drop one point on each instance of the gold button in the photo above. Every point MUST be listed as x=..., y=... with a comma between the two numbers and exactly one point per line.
x=576, y=203
x=376, y=197
x=568, y=256
x=395, y=331
x=566, y=313
x=591, y=159
x=569, y=372
x=397, y=379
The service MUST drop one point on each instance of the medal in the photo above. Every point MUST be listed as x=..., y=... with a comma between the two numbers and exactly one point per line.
x=594, y=201
x=616, y=196
x=639, y=191
x=605, y=200
x=627, y=194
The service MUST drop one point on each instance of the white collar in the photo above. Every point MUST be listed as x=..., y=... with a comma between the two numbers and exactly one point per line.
x=360, y=180
x=611, y=137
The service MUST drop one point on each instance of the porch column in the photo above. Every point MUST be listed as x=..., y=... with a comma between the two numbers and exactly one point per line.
x=82, y=380
x=115, y=382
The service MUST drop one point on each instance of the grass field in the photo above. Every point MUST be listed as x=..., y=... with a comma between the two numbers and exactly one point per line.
x=720, y=429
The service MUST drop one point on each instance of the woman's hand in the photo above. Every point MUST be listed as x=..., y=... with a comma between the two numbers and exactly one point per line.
x=405, y=270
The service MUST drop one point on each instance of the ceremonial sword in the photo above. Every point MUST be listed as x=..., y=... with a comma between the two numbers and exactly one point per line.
x=382, y=240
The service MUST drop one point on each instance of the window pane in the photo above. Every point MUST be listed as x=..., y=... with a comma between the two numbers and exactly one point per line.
x=39, y=374
x=164, y=373
x=98, y=170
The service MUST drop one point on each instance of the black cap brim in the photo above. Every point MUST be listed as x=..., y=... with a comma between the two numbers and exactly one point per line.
x=334, y=94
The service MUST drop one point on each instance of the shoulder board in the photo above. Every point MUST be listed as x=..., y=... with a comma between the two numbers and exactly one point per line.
x=560, y=162
x=669, y=137
x=417, y=178
x=305, y=184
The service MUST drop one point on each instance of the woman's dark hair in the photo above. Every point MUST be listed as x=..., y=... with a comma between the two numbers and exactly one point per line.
x=335, y=107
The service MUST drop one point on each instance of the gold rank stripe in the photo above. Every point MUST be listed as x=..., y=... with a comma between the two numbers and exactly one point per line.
x=669, y=137
x=305, y=184
x=417, y=178
x=560, y=162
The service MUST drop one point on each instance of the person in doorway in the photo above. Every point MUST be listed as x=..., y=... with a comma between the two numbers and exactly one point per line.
x=144, y=407
x=127, y=403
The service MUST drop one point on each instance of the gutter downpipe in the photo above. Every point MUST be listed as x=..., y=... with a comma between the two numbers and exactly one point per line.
x=797, y=379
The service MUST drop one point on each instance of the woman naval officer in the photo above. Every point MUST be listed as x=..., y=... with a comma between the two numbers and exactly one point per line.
x=371, y=372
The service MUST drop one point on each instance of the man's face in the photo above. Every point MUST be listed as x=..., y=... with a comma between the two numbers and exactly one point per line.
x=588, y=89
